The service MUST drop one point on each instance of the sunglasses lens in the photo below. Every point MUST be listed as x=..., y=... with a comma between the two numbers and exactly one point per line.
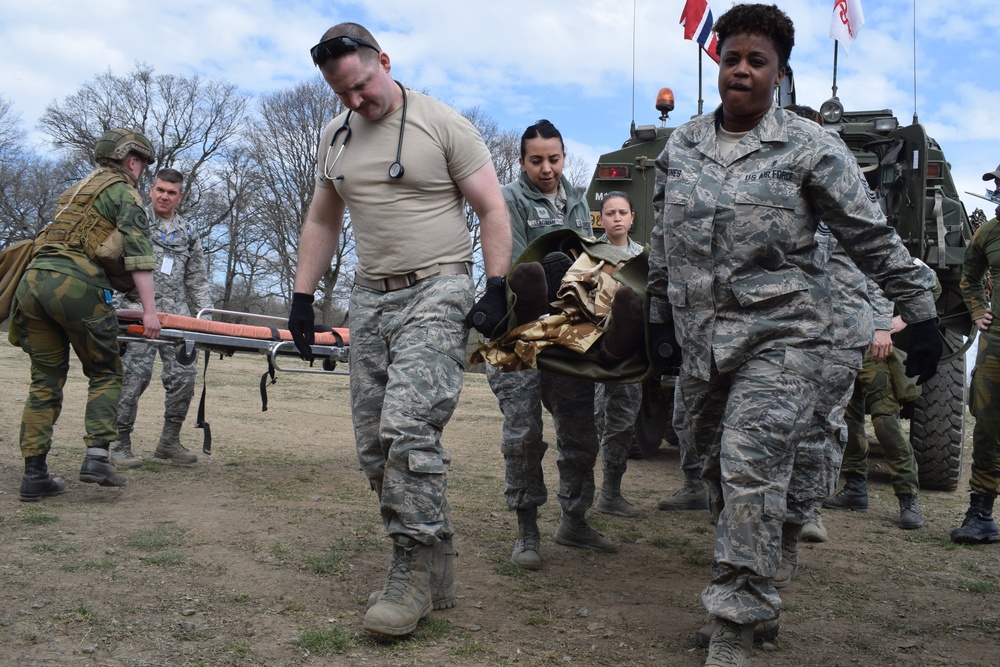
x=336, y=47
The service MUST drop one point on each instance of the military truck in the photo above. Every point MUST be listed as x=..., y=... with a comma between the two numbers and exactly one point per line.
x=908, y=171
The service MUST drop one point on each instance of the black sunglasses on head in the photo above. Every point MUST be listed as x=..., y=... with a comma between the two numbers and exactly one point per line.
x=335, y=47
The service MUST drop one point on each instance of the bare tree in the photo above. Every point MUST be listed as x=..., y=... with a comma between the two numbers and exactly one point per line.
x=504, y=147
x=29, y=184
x=11, y=134
x=577, y=171
x=282, y=142
x=187, y=119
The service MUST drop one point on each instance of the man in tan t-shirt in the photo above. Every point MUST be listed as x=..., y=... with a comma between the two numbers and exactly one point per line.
x=405, y=179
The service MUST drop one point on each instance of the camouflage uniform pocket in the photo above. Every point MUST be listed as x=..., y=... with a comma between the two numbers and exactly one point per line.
x=428, y=463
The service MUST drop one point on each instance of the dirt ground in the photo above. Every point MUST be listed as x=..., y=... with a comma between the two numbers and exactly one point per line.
x=264, y=554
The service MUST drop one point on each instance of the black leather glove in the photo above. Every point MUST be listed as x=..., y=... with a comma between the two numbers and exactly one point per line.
x=490, y=312
x=663, y=345
x=925, y=350
x=301, y=323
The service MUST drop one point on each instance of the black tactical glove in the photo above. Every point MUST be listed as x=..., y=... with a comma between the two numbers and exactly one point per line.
x=301, y=323
x=925, y=350
x=490, y=311
x=663, y=345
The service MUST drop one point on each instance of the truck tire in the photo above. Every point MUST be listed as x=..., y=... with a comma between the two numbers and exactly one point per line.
x=937, y=427
x=656, y=414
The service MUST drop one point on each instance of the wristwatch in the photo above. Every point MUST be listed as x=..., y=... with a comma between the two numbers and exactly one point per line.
x=496, y=281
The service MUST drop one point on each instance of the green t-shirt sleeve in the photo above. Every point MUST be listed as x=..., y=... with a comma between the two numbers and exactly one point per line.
x=120, y=204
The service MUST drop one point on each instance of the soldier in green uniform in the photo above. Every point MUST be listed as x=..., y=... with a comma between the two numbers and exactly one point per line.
x=984, y=397
x=64, y=300
x=877, y=392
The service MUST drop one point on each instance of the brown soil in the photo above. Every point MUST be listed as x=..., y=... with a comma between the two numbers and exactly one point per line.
x=264, y=554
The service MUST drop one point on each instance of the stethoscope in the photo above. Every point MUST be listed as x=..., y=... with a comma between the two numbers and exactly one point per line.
x=395, y=169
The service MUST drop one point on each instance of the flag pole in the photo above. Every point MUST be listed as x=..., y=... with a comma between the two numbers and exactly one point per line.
x=835, y=43
x=700, y=101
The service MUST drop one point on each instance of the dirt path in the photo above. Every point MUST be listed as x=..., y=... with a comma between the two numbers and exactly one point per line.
x=265, y=552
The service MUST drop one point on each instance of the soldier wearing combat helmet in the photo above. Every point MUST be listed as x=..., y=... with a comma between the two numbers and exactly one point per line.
x=64, y=300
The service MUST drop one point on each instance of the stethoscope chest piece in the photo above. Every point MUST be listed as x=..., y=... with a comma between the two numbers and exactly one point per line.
x=396, y=170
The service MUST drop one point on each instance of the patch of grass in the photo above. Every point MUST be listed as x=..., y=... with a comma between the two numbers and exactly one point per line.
x=326, y=564
x=81, y=614
x=164, y=559
x=294, y=608
x=161, y=537
x=473, y=648
x=691, y=554
x=37, y=517
x=324, y=642
x=536, y=619
x=239, y=598
x=280, y=552
x=49, y=548
x=508, y=569
x=629, y=535
x=432, y=627
x=978, y=587
x=239, y=649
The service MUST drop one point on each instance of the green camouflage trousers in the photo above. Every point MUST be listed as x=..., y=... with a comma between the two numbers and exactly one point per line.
x=407, y=359
x=522, y=395
x=54, y=312
x=764, y=407
x=984, y=404
x=178, y=381
x=617, y=407
x=874, y=395
x=822, y=446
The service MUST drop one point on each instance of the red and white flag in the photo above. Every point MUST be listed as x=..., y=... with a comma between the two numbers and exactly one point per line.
x=697, y=21
x=846, y=22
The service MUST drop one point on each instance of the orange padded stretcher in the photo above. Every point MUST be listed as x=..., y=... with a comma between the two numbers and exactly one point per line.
x=188, y=334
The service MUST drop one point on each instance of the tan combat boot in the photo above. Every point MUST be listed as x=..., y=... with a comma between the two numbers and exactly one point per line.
x=789, y=554
x=170, y=446
x=528, y=548
x=731, y=645
x=443, y=595
x=574, y=531
x=611, y=500
x=121, y=451
x=692, y=496
x=406, y=597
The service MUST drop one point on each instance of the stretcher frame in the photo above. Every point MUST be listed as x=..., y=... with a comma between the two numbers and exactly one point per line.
x=187, y=342
x=333, y=348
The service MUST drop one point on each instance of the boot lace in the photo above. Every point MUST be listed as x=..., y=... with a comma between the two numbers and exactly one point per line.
x=725, y=648
x=399, y=575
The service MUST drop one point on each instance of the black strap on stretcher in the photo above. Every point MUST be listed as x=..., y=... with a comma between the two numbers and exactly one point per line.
x=206, y=445
x=264, y=383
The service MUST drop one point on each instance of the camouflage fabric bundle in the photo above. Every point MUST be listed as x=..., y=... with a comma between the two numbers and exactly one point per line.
x=565, y=342
x=13, y=262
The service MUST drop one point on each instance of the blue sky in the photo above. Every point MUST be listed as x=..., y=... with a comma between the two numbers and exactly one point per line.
x=567, y=60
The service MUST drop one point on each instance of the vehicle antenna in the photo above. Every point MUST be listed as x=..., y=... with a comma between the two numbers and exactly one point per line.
x=835, y=44
x=632, y=127
x=914, y=62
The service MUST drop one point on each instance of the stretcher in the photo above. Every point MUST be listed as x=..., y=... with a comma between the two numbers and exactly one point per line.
x=189, y=334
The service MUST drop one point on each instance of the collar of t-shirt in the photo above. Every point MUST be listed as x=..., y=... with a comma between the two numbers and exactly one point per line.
x=727, y=140
x=558, y=200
